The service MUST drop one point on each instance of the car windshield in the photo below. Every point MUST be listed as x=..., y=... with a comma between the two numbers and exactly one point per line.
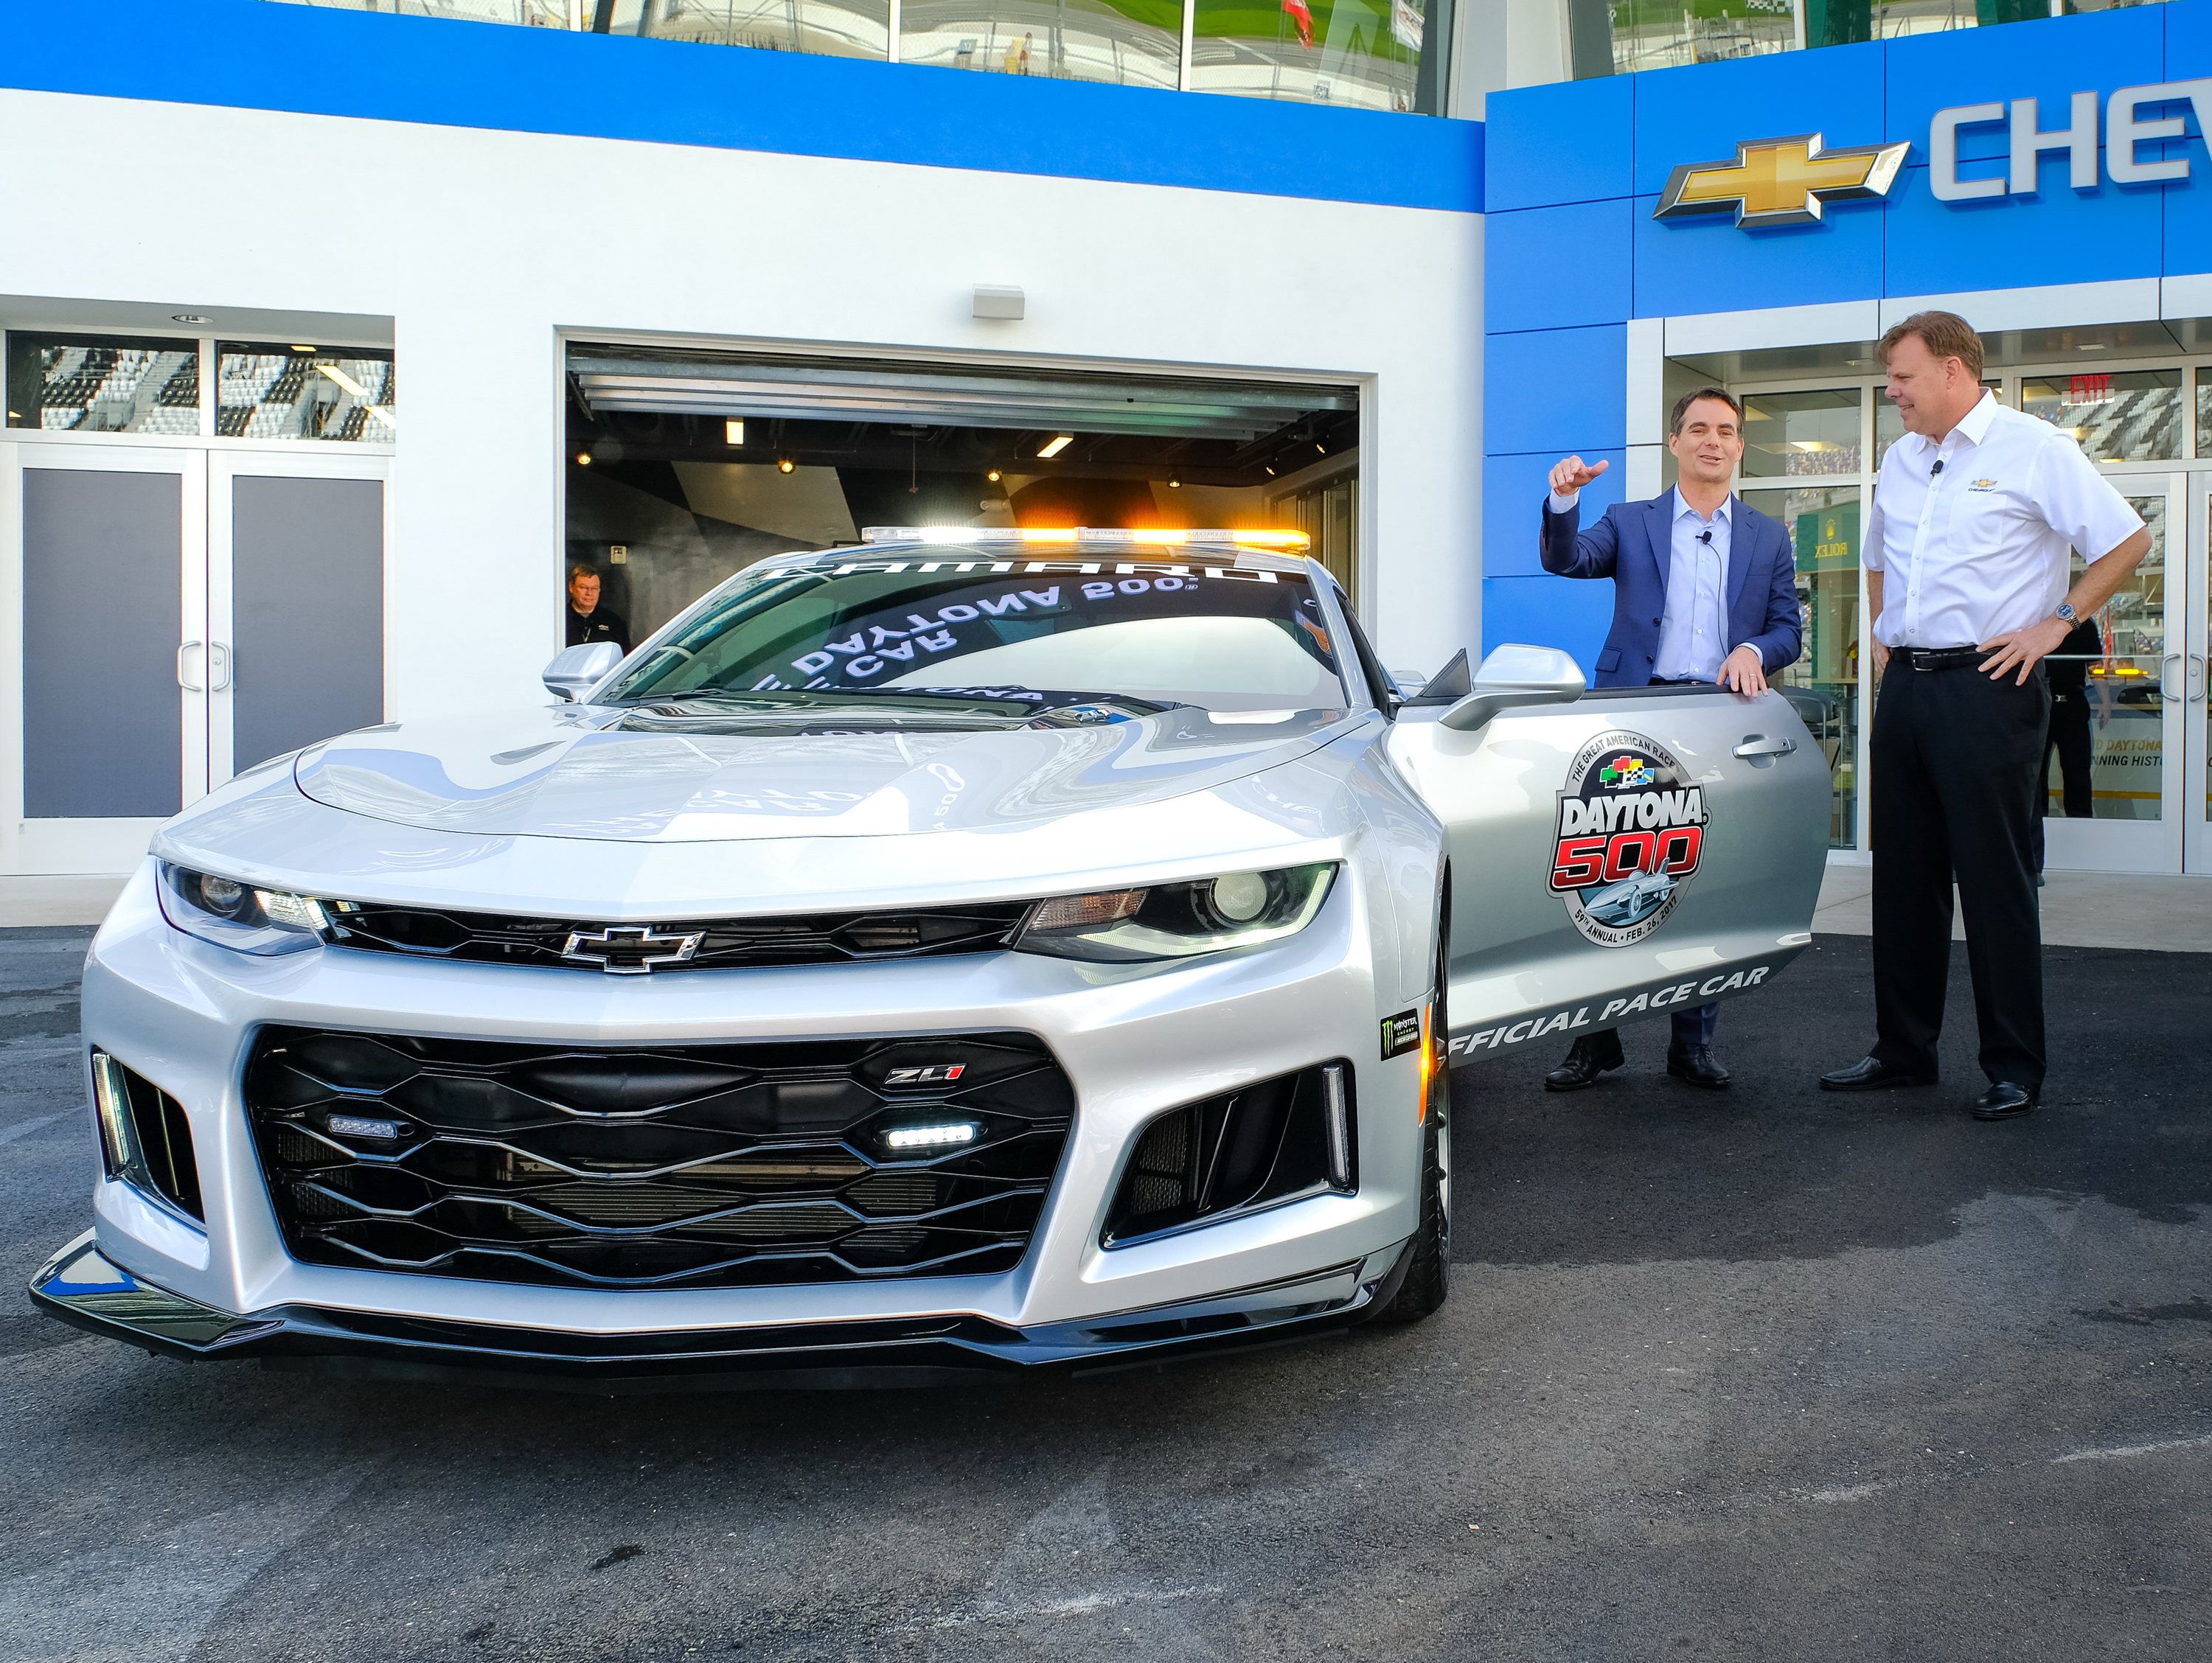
x=953, y=626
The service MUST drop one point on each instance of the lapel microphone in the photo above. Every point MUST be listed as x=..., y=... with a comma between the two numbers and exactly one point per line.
x=1705, y=536
x=1937, y=469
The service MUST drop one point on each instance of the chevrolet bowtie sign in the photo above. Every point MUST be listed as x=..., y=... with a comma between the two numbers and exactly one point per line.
x=1781, y=181
x=2138, y=136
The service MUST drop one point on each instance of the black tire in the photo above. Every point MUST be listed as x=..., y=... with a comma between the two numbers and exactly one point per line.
x=1428, y=1270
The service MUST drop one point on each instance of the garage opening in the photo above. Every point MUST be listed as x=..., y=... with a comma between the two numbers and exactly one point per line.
x=685, y=465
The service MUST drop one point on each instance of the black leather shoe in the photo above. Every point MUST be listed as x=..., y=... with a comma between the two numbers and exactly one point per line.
x=1587, y=1058
x=1868, y=1075
x=2002, y=1100
x=1696, y=1066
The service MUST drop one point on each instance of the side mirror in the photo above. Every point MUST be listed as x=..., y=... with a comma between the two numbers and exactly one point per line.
x=1514, y=675
x=576, y=670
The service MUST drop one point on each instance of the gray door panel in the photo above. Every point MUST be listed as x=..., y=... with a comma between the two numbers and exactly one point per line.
x=103, y=723
x=307, y=612
x=1686, y=872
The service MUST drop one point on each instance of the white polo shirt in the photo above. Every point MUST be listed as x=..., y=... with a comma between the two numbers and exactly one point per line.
x=1979, y=547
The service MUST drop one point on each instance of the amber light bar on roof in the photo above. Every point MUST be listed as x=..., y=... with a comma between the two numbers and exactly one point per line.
x=985, y=536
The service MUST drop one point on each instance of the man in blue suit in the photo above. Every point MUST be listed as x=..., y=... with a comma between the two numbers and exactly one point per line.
x=1705, y=591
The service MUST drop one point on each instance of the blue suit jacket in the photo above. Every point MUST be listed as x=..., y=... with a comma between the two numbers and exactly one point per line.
x=1633, y=544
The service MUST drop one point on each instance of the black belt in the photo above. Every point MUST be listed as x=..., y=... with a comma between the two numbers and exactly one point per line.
x=1937, y=658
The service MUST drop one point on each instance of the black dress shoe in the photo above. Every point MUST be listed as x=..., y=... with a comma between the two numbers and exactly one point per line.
x=1589, y=1057
x=1696, y=1067
x=1868, y=1075
x=2002, y=1100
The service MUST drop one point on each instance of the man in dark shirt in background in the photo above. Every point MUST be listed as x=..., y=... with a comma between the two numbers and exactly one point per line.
x=587, y=620
x=2069, y=671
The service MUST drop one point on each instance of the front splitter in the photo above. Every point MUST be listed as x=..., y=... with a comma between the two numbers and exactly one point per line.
x=82, y=1285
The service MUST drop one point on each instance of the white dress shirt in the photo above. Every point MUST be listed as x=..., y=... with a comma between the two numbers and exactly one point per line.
x=1977, y=548
x=1693, y=629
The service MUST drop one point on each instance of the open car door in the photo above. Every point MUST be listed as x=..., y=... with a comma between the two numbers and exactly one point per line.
x=1614, y=854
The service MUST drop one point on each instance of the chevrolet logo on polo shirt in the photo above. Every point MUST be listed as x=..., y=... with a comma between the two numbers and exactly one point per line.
x=1781, y=181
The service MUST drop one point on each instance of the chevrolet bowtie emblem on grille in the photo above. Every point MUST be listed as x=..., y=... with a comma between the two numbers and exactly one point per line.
x=1781, y=181
x=629, y=950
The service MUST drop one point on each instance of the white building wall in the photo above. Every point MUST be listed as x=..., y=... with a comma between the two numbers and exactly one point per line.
x=481, y=248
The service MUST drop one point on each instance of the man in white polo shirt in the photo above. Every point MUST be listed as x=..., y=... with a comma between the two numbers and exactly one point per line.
x=1974, y=511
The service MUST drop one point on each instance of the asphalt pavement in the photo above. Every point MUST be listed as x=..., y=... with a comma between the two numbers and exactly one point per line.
x=1763, y=1374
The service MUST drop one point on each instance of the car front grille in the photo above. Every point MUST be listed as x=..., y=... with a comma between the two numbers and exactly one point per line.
x=713, y=1166
x=712, y=944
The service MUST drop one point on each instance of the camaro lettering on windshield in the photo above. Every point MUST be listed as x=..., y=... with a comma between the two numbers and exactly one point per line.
x=873, y=649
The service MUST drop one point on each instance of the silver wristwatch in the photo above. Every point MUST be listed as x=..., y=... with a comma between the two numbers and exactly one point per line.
x=2066, y=612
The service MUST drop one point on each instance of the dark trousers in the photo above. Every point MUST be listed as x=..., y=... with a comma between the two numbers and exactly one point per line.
x=1957, y=792
x=1688, y=1028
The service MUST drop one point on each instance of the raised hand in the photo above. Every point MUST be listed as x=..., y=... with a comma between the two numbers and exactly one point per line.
x=1570, y=474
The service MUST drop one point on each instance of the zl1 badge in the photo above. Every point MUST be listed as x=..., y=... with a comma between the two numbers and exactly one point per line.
x=1630, y=833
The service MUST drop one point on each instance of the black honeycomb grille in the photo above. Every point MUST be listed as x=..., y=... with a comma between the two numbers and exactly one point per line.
x=721, y=943
x=712, y=1166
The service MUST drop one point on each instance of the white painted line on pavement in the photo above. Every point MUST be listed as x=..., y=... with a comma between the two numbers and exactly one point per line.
x=10, y=1134
x=2123, y=1451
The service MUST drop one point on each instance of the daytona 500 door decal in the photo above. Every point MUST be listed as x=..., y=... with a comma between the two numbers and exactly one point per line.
x=1630, y=829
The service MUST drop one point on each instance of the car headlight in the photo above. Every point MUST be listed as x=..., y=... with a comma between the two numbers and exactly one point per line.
x=1176, y=920
x=238, y=915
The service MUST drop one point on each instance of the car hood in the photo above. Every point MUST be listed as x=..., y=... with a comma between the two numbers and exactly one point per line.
x=599, y=774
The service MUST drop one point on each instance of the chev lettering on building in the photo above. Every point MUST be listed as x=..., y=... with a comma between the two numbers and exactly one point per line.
x=1785, y=181
x=1654, y=999
x=2128, y=127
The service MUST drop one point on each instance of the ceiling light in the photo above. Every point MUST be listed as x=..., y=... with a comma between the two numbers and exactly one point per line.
x=188, y=318
x=297, y=348
x=1175, y=484
x=343, y=379
x=1322, y=448
x=583, y=459
x=993, y=476
x=733, y=432
x=1055, y=447
x=785, y=464
x=1271, y=473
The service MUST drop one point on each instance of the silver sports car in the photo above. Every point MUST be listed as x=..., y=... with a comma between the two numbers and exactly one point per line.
x=967, y=948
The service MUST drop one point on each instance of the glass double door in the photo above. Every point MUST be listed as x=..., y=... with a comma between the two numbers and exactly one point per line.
x=2187, y=673
x=183, y=613
x=2128, y=769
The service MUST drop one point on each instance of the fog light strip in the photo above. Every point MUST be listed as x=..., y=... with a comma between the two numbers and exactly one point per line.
x=1335, y=1112
x=112, y=1097
x=931, y=1137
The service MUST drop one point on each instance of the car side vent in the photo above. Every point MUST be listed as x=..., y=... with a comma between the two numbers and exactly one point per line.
x=145, y=1137
x=1283, y=1139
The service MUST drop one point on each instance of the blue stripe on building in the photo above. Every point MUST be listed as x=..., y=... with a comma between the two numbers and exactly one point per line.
x=250, y=54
